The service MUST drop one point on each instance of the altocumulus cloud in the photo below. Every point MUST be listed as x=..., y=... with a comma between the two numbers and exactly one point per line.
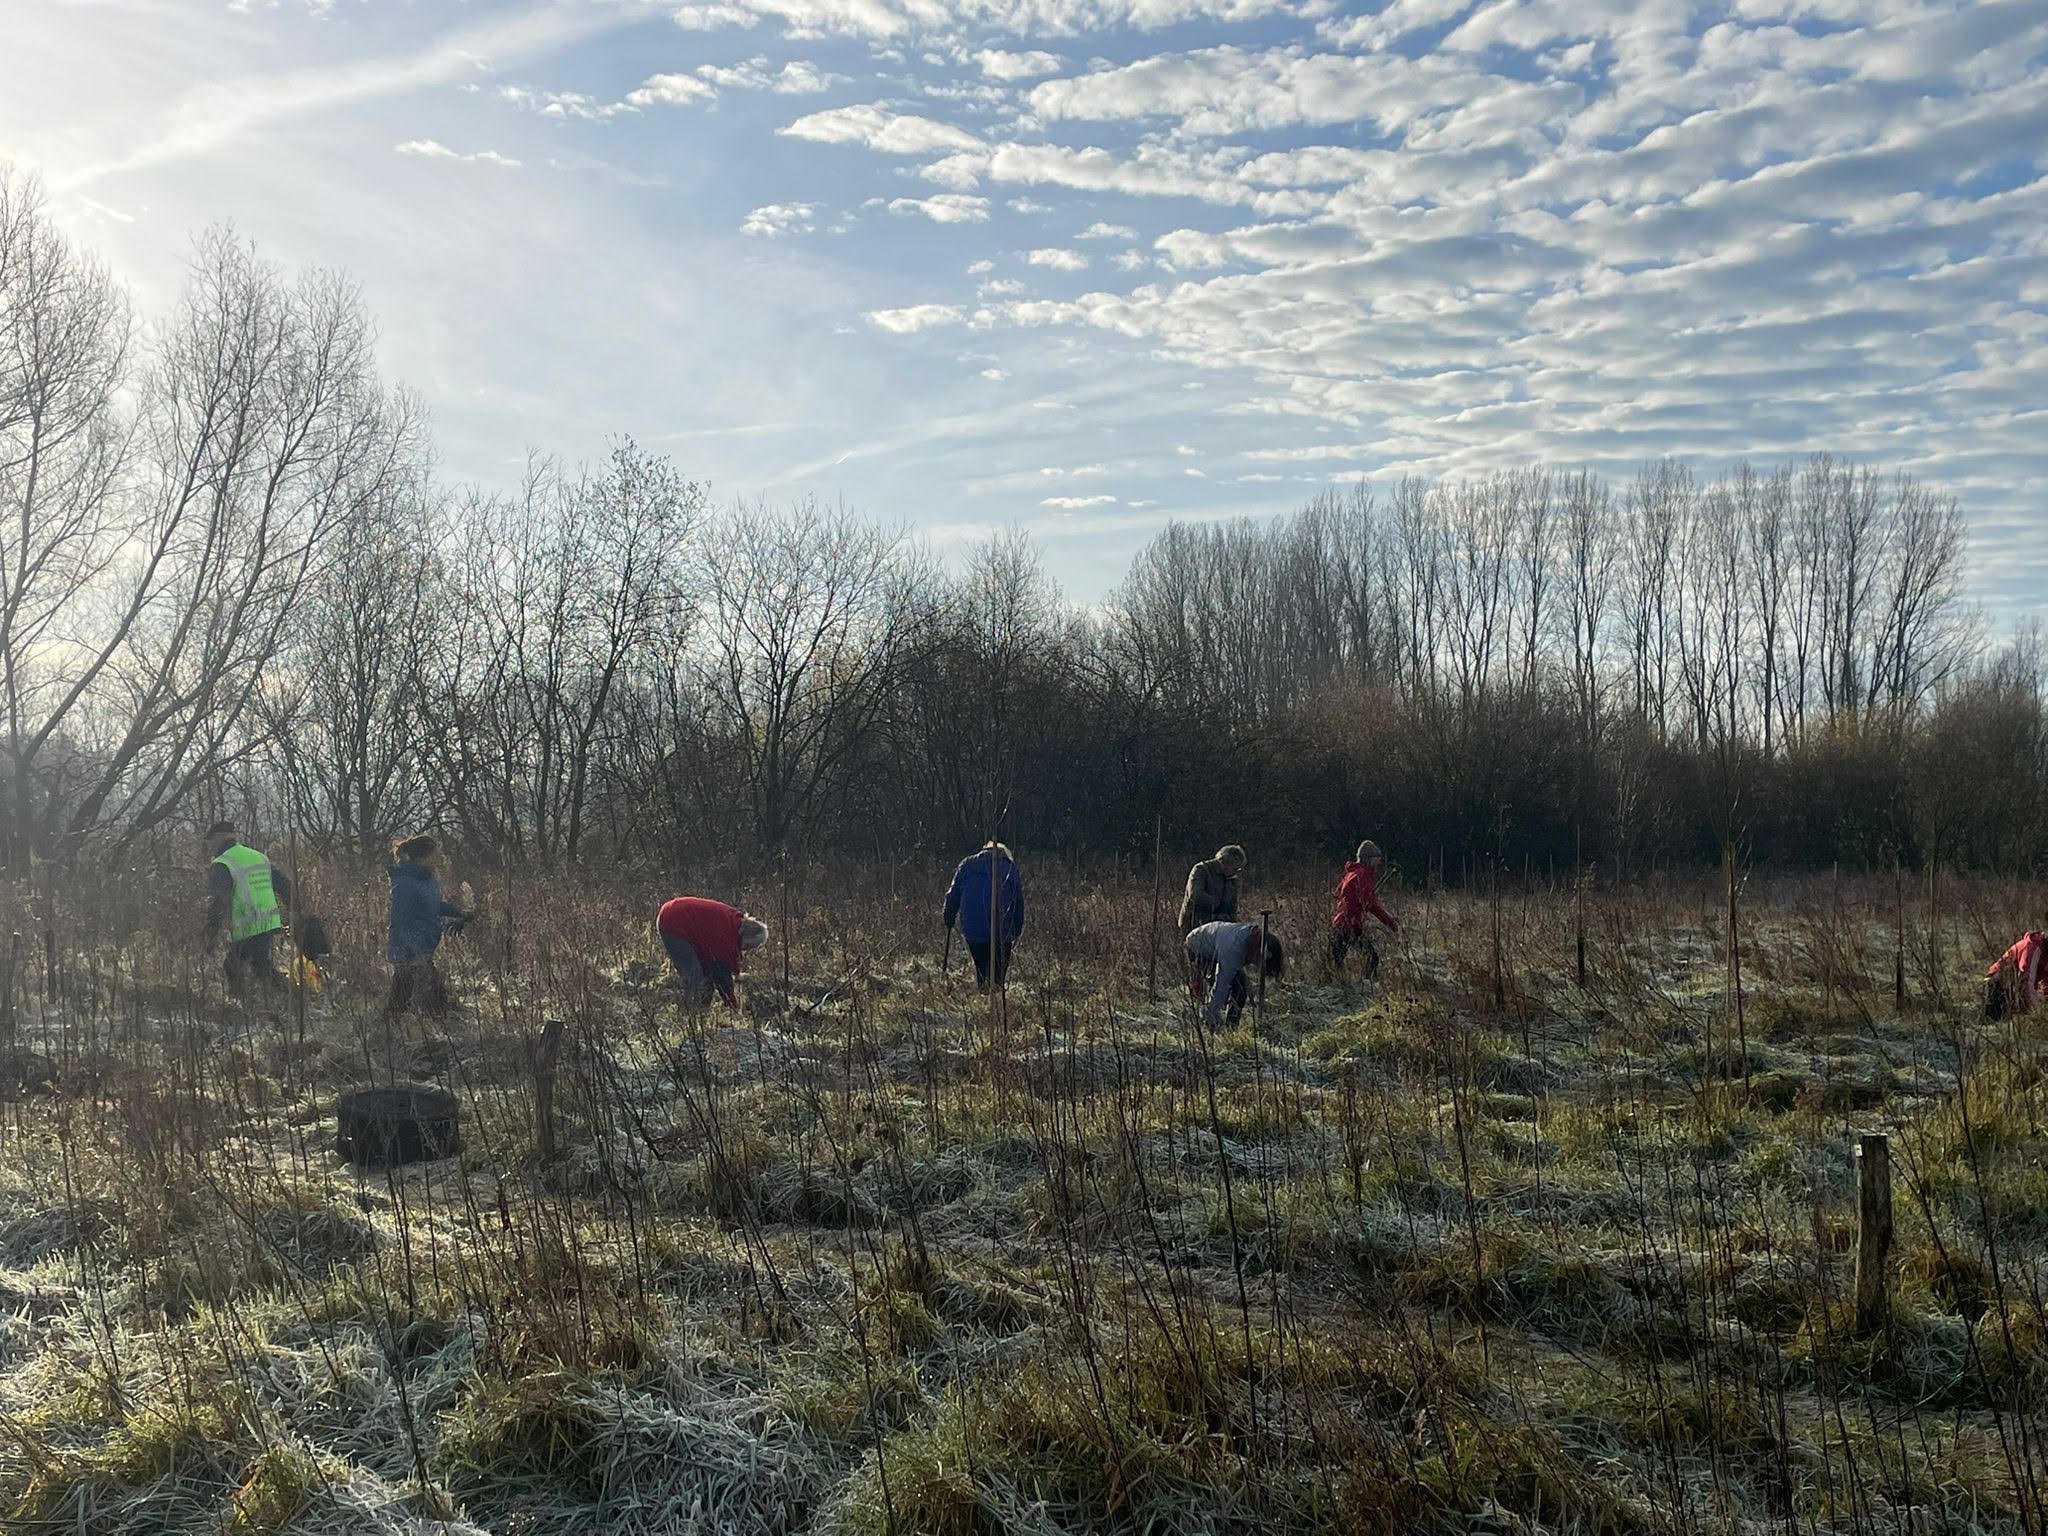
x=944, y=208
x=780, y=219
x=1429, y=236
x=917, y=317
x=880, y=128
x=433, y=149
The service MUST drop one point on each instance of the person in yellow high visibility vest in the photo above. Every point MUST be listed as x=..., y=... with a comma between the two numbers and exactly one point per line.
x=246, y=894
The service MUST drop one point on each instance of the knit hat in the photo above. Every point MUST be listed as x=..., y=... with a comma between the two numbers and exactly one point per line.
x=419, y=846
x=753, y=933
x=1368, y=851
x=217, y=831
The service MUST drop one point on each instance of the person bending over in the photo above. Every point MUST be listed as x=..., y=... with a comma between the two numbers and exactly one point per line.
x=705, y=940
x=1220, y=958
x=2018, y=979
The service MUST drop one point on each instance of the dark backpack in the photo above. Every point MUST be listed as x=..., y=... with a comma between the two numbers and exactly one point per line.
x=311, y=934
x=2002, y=991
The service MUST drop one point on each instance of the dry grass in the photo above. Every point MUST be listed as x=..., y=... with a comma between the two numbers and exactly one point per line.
x=1443, y=1253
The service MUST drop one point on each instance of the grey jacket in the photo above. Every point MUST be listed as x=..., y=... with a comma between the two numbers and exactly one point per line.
x=1211, y=896
x=1228, y=946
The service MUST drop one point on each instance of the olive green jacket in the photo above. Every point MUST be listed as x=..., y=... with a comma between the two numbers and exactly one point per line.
x=1211, y=896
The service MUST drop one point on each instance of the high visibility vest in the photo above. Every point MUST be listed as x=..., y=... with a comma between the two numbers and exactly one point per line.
x=253, y=908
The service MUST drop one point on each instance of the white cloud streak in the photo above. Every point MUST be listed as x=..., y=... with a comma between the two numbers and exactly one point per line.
x=211, y=116
x=433, y=149
x=877, y=127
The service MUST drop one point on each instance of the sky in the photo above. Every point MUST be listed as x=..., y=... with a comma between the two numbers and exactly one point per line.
x=1084, y=266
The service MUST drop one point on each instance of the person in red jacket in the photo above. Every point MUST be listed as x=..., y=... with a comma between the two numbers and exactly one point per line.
x=1357, y=895
x=705, y=940
x=2019, y=977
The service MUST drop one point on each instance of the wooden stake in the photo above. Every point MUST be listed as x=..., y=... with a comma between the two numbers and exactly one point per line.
x=298, y=956
x=1265, y=926
x=49, y=933
x=545, y=1055
x=1735, y=964
x=785, y=924
x=1579, y=899
x=1933, y=937
x=1873, y=1231
x=1500, y=993
x=1158, y=858
x=1899, y=936
x=7, y=989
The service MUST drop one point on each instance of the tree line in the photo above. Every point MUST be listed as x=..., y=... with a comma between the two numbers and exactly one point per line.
x=231, y=582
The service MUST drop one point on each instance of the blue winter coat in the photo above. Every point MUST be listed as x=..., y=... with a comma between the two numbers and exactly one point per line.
x=967, y=900
x=416, y=912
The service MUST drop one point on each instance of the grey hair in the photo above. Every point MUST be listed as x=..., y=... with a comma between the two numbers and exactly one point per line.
x=753, y=933
x=1367, y=851
x=1231, y=853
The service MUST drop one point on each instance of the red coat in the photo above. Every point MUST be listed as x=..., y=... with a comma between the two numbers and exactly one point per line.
x=1358, y=894
x=2029, y=957
x=709, y=927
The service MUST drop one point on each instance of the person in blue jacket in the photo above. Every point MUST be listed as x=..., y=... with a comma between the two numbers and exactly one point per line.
x=418, y=917
x=968, y=902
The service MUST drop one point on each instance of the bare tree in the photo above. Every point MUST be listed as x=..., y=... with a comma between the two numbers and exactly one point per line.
x=344, y=714
x=1769, y=554
x=259, y=421
x=808, y=608
x=1590, y=551
x=1921, y=634
x=64, y=339
x=1659, y=502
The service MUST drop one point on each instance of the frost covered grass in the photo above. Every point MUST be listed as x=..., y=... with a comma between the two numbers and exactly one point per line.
x=1468, y=1248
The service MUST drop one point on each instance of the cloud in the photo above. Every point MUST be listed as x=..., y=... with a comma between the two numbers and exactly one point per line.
x=670, y=91
x=1398, y=20
x=1077, y=503
x=1230, y=90
x=944, y=208
x=1420, y=235
x=917, y=317
x=710, y=18
x=876, y=127
x=225, y=111
x=886, y=20
x=776, y=219
x=433, y=149
x=796, y=78
x=560, y=104
x=998, y=65
x=106, y=212
x=1151, y=170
